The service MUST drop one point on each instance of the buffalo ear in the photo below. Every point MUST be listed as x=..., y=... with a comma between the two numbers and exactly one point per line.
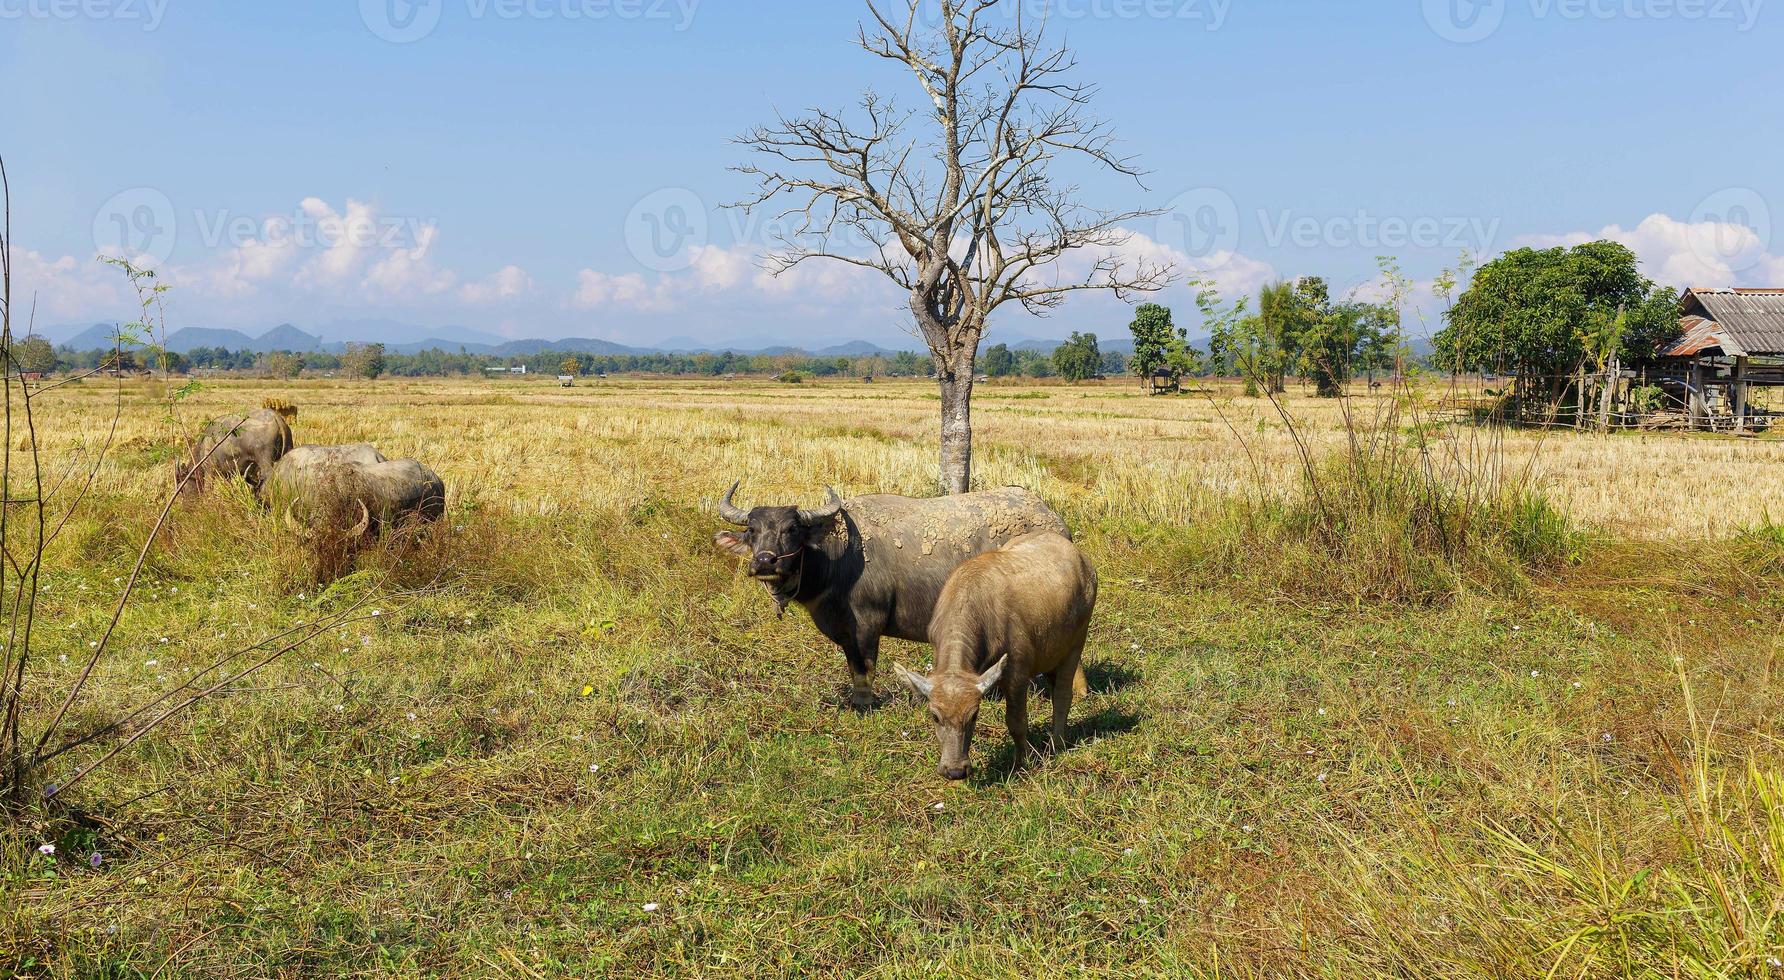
x=737, y=543
x=913, y=680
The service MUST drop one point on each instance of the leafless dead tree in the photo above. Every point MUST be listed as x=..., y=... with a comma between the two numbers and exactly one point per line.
x=956, y=202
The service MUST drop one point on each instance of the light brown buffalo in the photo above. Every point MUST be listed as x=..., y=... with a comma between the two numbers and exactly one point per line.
x=235, y=445
x=1004, y=618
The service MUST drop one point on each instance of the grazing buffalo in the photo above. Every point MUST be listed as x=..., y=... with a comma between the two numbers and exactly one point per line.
x=1004, y=618
x=235, y=445
x=873, y=566
x=322, y=485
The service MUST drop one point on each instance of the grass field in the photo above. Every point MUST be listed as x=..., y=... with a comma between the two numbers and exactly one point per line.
x=562, y=736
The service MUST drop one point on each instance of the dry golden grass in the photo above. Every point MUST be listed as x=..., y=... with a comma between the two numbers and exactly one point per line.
x=532, y=446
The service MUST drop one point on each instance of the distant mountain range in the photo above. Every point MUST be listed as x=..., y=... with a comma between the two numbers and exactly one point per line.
x=286, y=337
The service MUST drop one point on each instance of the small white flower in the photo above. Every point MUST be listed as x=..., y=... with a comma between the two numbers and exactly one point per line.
x=594, y=767
x=937, y=806
x=1576, y=685
x=164, y=639
x=1144, y=902
x=1607, y=736
x=377, y=612
x=1536, y=673
x=46, y=849
x=93, y=643
x=1247, y=828
x=411, y=716
x=339, y=708
x=1321, y=777
x=1322, y=711
x=151, y=663
x=1515, y=629
x=650, y=906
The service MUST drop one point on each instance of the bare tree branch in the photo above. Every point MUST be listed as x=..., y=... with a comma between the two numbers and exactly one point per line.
x=958, y=202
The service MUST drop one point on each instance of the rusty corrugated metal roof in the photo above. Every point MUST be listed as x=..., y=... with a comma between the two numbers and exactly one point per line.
x=1697, y=334
x=1747, y=321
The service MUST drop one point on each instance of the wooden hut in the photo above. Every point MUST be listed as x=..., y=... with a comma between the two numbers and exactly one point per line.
x=1730, y=342
x=1163, y=381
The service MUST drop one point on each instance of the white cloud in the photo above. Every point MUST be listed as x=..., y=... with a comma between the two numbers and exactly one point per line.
x=1682, y=253
x=65, y=288
x=596, y=290
x=508, y=282
x=345, y=239
x=407, y=273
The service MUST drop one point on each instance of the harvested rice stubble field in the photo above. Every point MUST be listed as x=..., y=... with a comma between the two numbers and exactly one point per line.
x=574, y=741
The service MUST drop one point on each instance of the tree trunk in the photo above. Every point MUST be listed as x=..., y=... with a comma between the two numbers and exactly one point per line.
x=956, y=380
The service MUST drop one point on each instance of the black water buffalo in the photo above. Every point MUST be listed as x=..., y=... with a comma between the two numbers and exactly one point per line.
x=873, y=566
x=318, y=485
x=235, y=445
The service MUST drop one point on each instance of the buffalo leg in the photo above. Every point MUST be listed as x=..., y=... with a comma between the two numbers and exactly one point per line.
x=1016, y=716
x=1080, y=685
x=861, y=659
x=1065, y=681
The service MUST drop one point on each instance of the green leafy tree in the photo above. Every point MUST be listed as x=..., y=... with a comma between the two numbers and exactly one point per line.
x=999, y=362
x=1222, y=323
x=282, y=364
x=1154, y=334
x=1078, y=359
x=1542, y=313
x=33, y=354
x=363, y=360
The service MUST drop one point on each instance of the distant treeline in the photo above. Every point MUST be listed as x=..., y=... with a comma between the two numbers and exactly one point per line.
x=440, y=363
x=998, y=361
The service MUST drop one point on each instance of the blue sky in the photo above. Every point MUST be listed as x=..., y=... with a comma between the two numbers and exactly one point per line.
x=502, y=165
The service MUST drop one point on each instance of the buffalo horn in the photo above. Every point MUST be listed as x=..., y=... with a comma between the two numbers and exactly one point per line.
x=731, y=512
x=365, y=520
x=832, y=504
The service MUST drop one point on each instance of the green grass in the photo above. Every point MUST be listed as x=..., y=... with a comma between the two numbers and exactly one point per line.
x=1285, y=767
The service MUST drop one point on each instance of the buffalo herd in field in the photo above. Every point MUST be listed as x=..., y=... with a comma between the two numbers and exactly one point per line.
x=991, y=579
